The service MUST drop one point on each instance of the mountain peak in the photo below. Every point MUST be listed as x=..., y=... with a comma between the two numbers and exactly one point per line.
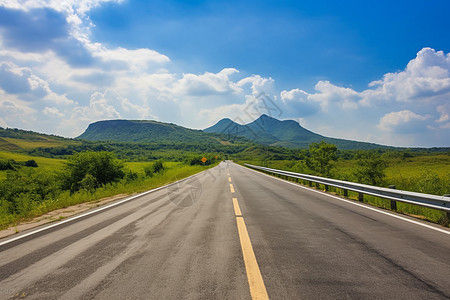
x=288, y=133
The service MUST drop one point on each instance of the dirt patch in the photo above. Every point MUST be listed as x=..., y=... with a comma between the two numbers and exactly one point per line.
x=59, y=214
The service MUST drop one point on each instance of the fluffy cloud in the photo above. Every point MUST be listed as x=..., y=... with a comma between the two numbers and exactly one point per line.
x=258, y=84
x=406, y=120
x=425, y=78
x=299, y=103
x=207, y=84
x=52, y=112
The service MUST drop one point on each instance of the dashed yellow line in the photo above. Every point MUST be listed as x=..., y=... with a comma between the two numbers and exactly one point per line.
x=229, y=179
x=231, y=188
x=237, y=210
x=255, y=281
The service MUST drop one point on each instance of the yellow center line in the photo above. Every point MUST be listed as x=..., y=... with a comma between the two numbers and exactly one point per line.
x=229, y=179
x=254, y=277
x=255, y=281
x=237, y=210
x=231, y=188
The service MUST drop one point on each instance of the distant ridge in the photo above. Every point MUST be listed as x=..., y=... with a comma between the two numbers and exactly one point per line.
x=148, y=132
x=265, y=130
x=270, y=131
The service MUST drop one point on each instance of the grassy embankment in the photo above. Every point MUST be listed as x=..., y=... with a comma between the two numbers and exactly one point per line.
x=428, y=174
x=173, y=171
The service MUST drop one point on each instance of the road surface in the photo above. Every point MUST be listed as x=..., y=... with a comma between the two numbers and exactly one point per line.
x=230, y=233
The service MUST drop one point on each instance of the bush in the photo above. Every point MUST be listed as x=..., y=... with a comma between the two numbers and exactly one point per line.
x=89, y=183
x=32, y=184
x=7, y=165
x=156, y=167
x=102, y=166
x=31, y=163
x=130, y=176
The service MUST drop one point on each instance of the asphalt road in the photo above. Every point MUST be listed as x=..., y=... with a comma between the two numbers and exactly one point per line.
x=189, y=241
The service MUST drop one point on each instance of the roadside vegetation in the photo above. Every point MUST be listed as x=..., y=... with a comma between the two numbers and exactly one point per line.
x=30, y=191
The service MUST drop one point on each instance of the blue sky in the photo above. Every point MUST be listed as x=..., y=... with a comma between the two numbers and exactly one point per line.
x=377, y=72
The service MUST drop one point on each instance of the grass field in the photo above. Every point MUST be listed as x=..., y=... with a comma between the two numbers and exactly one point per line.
x=47, y=164
x=404, y=168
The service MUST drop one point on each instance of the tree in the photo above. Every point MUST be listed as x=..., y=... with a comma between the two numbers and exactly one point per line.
x=320, y=155
x=370, y=168
x=102, y=167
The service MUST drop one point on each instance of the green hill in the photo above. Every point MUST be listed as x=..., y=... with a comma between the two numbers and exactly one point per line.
x=270, y=131
x=13, y=139
x=151, y=132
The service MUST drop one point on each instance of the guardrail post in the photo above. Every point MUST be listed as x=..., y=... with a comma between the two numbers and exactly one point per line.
x=361, y=197
x=393, y=202
x=326, y=187
x=447, y=214
x=345, y=193
x=317, y=185
x=310, y=183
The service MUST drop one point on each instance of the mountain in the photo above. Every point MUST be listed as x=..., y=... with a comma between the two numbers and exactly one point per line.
x=148, y=132
x=270, y=131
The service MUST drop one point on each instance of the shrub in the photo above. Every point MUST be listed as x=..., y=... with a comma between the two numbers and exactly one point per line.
x=102, y=166
x=7, y=165
x=156, y=167
x=31, y=163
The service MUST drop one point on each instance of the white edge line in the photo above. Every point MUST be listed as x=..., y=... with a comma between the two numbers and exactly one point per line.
x=94, y=211
x=354, y=203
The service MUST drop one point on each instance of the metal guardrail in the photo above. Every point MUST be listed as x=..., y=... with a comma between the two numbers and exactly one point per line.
x=426, y=200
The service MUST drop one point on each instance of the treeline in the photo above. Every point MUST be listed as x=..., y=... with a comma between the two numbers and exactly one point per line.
x=138, y=151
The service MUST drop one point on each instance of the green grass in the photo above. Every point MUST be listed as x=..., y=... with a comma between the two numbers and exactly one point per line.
x=404, y=168
x=439, y=164
x=138, y=166
x=47, y=164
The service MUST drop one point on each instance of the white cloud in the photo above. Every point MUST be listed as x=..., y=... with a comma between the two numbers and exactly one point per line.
x=329, y=94
x=427, y=76
x=298, y=103
x=404, y=119
x=15, y=112
x=444, y=111
x=135, y=60
x=258, y=84
x=207, y=84
x=52, y=112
